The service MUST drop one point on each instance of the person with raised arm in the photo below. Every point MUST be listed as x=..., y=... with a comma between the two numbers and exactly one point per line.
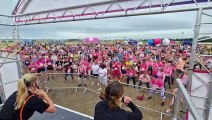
x=29, y=98
x=110, y=106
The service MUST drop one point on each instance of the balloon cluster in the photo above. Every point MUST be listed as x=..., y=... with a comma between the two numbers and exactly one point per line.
x=158, y=41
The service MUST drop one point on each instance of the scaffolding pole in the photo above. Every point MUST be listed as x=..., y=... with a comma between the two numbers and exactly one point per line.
x=192, y=58
x=208, y=102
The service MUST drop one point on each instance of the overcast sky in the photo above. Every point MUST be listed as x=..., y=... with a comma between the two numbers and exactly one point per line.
x=175, y=25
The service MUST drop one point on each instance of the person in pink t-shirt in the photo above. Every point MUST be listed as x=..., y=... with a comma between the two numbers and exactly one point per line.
x=49, y=64
x=149, y=64
x=143, y=67
x=131, y=74
x=41, y=65
x=33, y=67
x=168, y=73
x=88, y=66
x=116, y=69
x=155, y=68
x=41, y=68
x=82, y=75
x=144, y=79
x=158, y=84
x=161, y=64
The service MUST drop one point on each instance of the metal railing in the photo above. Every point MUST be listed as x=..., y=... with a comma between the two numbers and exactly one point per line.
x=182, y=91
x=132, y=91
x=150, y=106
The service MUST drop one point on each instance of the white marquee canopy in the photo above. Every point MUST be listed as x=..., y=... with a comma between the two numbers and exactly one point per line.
x=49, y=11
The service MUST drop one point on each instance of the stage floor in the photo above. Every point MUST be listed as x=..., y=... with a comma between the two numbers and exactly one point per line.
x=61, y=114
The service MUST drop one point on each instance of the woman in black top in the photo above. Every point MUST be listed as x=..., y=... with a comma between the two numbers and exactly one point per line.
x=110, y=106
x=23, y=103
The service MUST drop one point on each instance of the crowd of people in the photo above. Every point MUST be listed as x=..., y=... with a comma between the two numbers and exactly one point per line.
x=155, y=66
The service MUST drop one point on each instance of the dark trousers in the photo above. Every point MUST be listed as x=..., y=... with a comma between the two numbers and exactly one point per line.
x=198, y=64
x=167, y=79
x=147, y=84
x=71, y=74
x=150, y=70
x=129, y=78
x=172, y=79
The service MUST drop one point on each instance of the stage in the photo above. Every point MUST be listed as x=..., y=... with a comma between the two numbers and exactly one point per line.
x=61, y=114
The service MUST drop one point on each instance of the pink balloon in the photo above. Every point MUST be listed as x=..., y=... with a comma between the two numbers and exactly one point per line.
x=172, y=42
x=157, y=41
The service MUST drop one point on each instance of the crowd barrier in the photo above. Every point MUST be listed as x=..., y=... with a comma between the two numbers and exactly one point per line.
x=10, y=77
x=152, y=105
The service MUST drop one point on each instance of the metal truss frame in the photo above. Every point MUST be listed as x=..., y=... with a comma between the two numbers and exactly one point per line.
x=67, y=15
x=89, y=11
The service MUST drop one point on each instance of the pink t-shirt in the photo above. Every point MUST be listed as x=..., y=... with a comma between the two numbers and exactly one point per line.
x=117, y=66
x=131, y=73
x=149, y=63
x=33, y=68
x=155, y=66
x=134, y=59
x=157, y=83
x=144, y=79
x=87, y=65
x=168, y=70
x=40, y=63
x=82, y=69
x=97, y=53
x=161, y=64
x=160, y=75
x=143, y=67
x=49, y=62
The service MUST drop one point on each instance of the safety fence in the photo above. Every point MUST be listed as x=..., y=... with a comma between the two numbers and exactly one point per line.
x=196, y=104
x=152, y=105
x=139, y=94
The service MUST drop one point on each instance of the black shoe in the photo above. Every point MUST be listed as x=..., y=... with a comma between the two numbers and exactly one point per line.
x=79, y=85
x=163, y=103
x=149, y=97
